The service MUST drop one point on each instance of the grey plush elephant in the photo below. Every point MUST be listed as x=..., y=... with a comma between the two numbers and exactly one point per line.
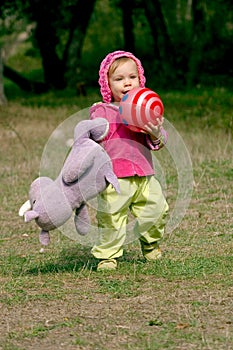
x=86, y=172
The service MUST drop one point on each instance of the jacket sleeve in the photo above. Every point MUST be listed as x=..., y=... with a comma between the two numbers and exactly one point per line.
x=159, y=143
x=98, y=111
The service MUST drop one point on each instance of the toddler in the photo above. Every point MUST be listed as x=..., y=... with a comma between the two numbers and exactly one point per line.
x=131, y=157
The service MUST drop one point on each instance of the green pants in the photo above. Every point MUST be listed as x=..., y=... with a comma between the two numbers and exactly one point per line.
x=144, y=198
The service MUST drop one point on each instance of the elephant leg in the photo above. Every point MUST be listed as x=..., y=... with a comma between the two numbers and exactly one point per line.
x=44, y=237
x=82, y=220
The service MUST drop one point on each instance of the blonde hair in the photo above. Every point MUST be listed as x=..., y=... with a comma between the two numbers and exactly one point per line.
x=118, y=62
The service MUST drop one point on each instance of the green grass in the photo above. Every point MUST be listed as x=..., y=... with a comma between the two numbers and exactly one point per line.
x=57, y=299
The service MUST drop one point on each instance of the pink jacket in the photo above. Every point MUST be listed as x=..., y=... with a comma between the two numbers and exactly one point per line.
x=129, y=151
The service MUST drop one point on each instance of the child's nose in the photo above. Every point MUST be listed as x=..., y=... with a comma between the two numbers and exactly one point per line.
x=127, y=81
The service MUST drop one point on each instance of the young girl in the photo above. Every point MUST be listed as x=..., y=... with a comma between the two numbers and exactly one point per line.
x=131, y=157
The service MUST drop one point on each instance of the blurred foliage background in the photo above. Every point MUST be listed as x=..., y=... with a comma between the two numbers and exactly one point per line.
x=59, y=44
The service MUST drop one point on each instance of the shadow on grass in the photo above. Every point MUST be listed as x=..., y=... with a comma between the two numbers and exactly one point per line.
x=78, y=259
x=68, y=259
x=72, y=259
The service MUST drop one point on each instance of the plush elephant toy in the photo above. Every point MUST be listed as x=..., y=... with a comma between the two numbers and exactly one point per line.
x=86, y=172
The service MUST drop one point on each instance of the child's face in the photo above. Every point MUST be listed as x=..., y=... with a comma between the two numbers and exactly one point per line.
x=123, y=79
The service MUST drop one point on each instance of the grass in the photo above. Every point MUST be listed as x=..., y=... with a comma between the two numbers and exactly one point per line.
x=57, y=300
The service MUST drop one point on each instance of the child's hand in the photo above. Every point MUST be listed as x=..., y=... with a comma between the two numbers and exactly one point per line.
x=154, y=130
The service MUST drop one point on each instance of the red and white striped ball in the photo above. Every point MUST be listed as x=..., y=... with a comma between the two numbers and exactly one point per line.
x=140, y=106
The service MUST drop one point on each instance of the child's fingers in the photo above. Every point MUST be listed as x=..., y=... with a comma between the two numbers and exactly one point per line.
x=152, y=126
x=160, y=121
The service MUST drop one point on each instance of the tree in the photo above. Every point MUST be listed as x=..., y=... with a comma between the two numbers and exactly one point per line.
x=3, y=99
x=45, y=14
x=199, y=33
x=49, y=17
x=57, y=24
x=127, y=7
x=163, y=47
x=184, y=37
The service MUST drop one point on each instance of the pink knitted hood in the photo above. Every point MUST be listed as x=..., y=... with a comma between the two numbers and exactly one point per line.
x=104, y=68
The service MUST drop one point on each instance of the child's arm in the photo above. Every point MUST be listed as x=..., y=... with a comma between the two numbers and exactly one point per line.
x=157, y=135
x=157, y=144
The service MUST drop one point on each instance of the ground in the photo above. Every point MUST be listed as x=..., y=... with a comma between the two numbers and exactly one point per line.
x=57, y=299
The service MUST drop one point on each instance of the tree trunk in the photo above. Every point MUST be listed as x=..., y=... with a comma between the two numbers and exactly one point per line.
x=45, y=15
x=82, y=12
x=53, y=66
x=188, y=14
x=3, y=99
x=127, y=22
x=24, y=83
x=48, y=16
x=164, y=49
x=198, y=42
